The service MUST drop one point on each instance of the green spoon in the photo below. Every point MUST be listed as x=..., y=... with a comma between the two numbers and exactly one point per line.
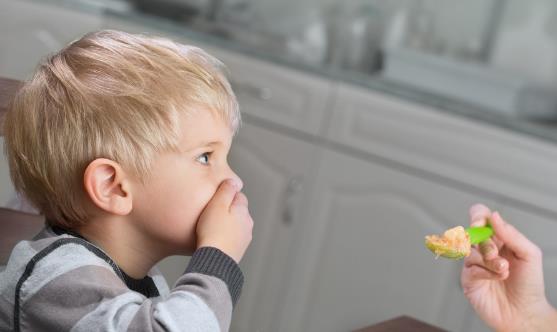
x=475, y=234
x=479, y=234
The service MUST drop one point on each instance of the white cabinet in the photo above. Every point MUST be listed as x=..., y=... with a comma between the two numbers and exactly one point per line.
x=30, y=30
x=276, y=171
x=393, y=172
x=468, y=153
x=361, y=257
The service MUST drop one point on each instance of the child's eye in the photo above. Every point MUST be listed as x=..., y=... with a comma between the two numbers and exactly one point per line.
x=204, y=158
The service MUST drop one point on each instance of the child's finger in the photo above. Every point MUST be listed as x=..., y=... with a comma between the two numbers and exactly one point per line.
x=513, y=239
x=226, y=192
x=478, y=215
x=240, y=201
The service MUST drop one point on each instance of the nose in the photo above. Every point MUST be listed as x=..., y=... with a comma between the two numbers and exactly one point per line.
x=233, y=176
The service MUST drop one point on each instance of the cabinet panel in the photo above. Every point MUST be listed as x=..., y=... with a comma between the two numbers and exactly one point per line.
x=361, y=259
x=468, y=152
x=276, y=171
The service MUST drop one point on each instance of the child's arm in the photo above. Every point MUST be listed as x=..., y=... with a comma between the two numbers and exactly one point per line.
x=72, y=289
x=88, y=294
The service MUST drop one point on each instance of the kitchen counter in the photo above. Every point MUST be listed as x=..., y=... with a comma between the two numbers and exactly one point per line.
x=544, y=130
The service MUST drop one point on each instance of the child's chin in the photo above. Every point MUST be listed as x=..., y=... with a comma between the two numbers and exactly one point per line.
x=186, y=252
x=179, y=248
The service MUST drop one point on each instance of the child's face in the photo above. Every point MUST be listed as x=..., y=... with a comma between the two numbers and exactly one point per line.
x=168, y=206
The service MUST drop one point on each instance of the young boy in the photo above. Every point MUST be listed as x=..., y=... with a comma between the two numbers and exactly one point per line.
x=121, y=141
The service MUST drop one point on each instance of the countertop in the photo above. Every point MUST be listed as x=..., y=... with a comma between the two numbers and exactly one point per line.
x=544, y=130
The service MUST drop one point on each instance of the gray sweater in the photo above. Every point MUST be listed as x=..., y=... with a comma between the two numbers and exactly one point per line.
x=60, y=282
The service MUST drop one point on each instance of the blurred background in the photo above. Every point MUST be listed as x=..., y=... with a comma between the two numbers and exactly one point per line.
x=367, y=125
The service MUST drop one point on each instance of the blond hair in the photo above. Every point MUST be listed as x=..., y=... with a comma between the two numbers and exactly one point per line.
x=109, y=94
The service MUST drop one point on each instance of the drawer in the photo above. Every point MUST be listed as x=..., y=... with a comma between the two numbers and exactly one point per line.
x=276, y=93
x=459, y=151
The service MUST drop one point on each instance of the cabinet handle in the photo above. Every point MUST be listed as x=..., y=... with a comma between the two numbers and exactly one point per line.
x=290, y=199
x=251, y=90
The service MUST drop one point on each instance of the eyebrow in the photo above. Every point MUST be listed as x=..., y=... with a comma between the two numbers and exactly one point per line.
x=205, y=144
x=210, y=143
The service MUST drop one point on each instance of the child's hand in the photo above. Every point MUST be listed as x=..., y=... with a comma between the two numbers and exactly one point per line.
x=503, y=278
x=225, y=223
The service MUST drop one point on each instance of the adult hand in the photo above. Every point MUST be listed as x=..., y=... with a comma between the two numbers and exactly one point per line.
x=503, y=278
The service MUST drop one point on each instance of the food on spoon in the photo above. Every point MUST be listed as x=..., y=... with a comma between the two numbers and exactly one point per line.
x=453, y=244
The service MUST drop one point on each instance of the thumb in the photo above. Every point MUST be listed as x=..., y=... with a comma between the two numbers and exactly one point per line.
x=226, y=192
x=240, y=201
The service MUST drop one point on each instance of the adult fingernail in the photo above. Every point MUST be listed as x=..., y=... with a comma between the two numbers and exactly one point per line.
x=478, y=210
x=501, y=265
x=487, y=250
x=478, y=222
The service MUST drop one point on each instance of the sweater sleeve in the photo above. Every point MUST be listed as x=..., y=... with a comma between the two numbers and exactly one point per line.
x=58, y=297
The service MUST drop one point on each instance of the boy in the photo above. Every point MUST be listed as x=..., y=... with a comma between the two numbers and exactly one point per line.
x=121, y=142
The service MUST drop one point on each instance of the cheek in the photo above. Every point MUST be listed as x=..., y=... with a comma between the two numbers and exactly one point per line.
x=178, y=211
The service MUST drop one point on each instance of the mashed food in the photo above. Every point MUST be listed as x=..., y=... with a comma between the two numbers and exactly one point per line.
x=454, y=244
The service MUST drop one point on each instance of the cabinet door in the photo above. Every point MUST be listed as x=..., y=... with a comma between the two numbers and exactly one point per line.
x=276, y=171
x=361, y=259
x=32, y=30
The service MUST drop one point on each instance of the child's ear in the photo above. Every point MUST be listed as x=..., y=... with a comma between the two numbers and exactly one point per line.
x=108, y=186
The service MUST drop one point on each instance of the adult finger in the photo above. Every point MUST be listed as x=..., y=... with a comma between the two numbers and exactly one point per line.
x=477, y=272
x=513, y=239
x=489, y=249
x=479, y=214
x=498, y=265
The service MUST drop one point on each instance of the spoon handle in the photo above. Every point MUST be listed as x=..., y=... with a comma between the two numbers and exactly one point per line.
x=479, y=234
